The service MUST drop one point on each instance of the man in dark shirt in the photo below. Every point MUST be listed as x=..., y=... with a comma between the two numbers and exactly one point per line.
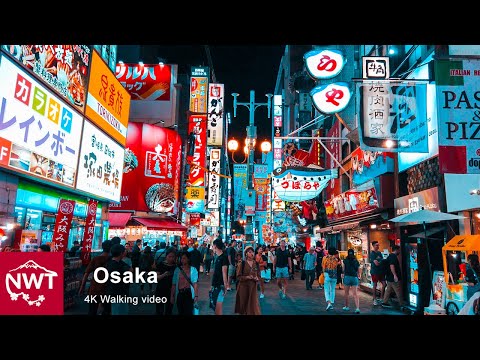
x=378, y=275
x=282, y=266
x=195, y=258
x=231, y=255
x=121, y=288
x=220, y=276
x=135, y=255
x=394, y=278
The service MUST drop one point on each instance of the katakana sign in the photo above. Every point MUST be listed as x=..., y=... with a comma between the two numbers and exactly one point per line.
x=101, y=164
x=43, y=132
x=197, y=124
x=146, y=82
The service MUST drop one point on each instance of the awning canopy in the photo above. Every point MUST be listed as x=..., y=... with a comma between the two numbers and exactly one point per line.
x=118, y=219
x=423, y=235
x=463, y=243
x=160, y=224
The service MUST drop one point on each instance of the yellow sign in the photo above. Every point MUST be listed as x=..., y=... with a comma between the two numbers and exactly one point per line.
x=195, y=193
x=108, y=103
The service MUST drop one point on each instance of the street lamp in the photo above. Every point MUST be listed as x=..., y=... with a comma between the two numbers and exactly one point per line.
x=250, y=145
x=233, y=145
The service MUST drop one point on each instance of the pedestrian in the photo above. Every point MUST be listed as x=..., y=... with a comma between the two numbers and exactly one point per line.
x=394, y=278
x=329, y=267
x=161, y=253
x=291, y=254
x=351, y=274
x=220, y=276
x=156, y=246
x=340, y=275
x=309, y=265
x=75, y=249
x=320, y=253
x=262, y=264
x=377, y=272
x=165, y=271
x=184, y=290
x=96, y=307
x=248, y=276
x=118, y=288
x=136, y=252
x=282, y=266
x=195, y=257
x=146, y=264
x=208, y=259
x=44, y=248
x=203, y=250
x=270, y=258
x=472, y=276
x=231, y=256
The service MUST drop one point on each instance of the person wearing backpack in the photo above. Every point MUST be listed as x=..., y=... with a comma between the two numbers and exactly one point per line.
x=330, y=265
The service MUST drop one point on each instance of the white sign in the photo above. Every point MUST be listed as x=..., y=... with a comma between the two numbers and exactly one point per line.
x=457, y=191
x=331, y=98
x=213, y=218
x=101, y=164
x=213, y=196
x=324, y=64
x=215, y=114
x=376, y=67
x=42, y=128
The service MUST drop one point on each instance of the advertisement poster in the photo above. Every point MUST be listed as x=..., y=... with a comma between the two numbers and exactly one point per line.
x=213, y=201
x=151, y=170
x=458, y=85
x=108, y=103
x=333, y=188
x=262, y=190
x=146, y=82
x=216, y=97
x=63, y=67
x=197, y=124
x=63, y=223
x=89, y=232
x=39, y=133
x=352, y=202
x=438, y=284
x=199, y=89
x=101, y=164
x=239, y=190
x=194, y=219
x=393, y=116
x=367, y=164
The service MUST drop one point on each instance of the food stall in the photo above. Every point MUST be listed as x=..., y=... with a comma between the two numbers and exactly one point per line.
x=455, y=254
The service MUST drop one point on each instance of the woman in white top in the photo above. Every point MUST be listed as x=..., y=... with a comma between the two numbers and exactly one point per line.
x=184, y=291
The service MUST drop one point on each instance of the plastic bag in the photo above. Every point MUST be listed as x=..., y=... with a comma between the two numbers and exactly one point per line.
x=321, y=279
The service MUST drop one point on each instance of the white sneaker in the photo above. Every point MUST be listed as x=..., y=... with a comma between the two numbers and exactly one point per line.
x=375, y=302
x=262, y=296
x=346, y=308
x=357, y=311
x=329, y=306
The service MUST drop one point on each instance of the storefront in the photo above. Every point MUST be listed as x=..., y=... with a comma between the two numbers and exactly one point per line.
x=420, y=246
x=35, y=212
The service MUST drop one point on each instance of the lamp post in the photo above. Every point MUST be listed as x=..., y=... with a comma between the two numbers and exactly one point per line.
x=250, y=143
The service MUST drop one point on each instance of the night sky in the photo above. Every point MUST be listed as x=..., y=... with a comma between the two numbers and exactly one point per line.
x=241, y=69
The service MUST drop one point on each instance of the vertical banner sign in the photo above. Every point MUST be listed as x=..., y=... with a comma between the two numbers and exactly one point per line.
x=216, y=95
x=198, y=125
x=277, y=131
x=458, y=89
x=198, y=89
x=108, y=103
x=239, y=190
x=89, y=232
x=334, y=147
x=63, y=223
x=214, y=180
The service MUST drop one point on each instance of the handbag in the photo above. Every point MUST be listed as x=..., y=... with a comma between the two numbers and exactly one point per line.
x=321, y=279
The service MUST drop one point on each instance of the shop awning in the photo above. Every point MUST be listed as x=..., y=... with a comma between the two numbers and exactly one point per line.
x=118, y=219
x=430, y=232
x=354, y=223
x=463, y=243
x=160, y=224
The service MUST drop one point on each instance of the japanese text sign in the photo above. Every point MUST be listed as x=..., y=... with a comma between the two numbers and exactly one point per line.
x=108, y=103
x=146, y=82
x=195, y=193
x=63, y=67
x=324, y=64
x=89, y=232
x=331, y=98
x=44, y=132
x=215, y=114
x=101, y=164
x=198, y=125
x=376, y=67
x=368, y=164
x=393, y=116
x=63, y=223
x=214, y=180
x=198, y=94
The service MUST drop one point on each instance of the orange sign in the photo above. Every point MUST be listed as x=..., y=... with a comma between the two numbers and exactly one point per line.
x=108, y=103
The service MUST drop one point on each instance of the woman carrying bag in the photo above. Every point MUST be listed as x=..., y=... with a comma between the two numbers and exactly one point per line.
x=184, y=292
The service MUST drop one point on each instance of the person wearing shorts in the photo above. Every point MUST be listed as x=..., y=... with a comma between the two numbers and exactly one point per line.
x=377, y=272
x=282, y=266
x=220, y=276
x=351, y=274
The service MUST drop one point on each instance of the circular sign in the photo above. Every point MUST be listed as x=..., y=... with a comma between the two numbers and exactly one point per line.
x=92, y=209
x=66, y=208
